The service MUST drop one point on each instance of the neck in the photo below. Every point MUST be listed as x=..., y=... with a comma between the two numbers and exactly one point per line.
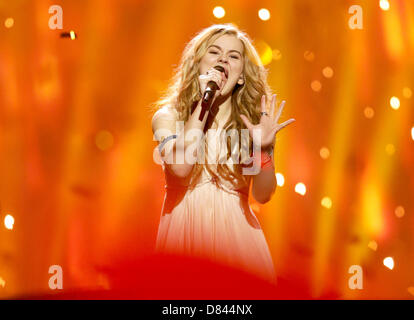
x=222, y=107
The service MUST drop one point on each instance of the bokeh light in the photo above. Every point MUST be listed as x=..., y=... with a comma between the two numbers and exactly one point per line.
x=399, y=211
x=104, y=140
x=9, y=222
x=280, y=179
x=369, y=112
x=324, y=153
x=300, y=188
x=407, y=92
x=326, y=202
x=389, y=262
x=309, y=56
x=316, y=85
x=264, y=14
x=327, y=72
x=384, y=5
x=395, y=103
x=9, y=22
x=373, y=245
x=219, y=12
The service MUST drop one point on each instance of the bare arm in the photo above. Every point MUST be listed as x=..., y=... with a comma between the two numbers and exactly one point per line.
x=181, y=143
x=264, y=184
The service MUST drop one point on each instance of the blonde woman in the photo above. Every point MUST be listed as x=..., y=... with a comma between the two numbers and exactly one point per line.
x=206, y=211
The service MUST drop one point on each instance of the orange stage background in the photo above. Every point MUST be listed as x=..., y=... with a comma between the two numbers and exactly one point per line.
x=76, y=167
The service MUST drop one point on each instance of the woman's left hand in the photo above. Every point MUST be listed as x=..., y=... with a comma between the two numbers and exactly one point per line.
x=268, y=123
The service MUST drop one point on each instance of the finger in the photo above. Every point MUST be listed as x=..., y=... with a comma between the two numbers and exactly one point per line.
x=246, y=121
x=284, y=124
x=263, y=103
x=272, y=106
x=279, y=111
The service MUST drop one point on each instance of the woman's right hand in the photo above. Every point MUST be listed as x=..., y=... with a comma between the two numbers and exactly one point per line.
x=212, y=75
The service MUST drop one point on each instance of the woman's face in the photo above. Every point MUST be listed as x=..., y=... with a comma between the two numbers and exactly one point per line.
x=226, y=51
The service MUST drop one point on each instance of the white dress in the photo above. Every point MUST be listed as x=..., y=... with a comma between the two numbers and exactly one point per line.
x=212, y=221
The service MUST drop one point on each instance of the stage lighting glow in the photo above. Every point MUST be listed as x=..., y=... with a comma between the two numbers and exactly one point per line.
x=300, y=188
x=309, y=56
x=389, y=263
x=72, y=34
x=104, y=140
x=264, y=14
x=264, y=51
x=9, y=22
x=390, y=149
x=407, y=93
x=324, y=153
x=9, y=222
x=2, y=282
x=327, y=72
x=373, y=245
x=219, y=12
x=316, y=85
x=280, y=179
x=276, y=54
x=326, y=202
x=369, y=112
x=412, y=133
x=399, y=211
x=384, y=5
x=395, y=103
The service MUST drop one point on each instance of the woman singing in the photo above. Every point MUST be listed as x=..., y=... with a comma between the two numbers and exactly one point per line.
x=206, y=211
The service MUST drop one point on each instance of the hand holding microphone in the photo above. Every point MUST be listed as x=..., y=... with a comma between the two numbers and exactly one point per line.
x=211, y=85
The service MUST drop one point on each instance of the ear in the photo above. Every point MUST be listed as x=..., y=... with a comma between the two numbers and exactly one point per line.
x=241, y=80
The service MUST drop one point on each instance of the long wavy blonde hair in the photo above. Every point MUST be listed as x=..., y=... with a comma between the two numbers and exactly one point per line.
x=184, y=92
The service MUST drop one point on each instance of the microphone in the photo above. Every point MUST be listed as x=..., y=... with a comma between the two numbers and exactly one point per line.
x=209, y=93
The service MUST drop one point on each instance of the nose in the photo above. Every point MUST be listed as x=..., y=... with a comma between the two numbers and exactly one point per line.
x=223, y=58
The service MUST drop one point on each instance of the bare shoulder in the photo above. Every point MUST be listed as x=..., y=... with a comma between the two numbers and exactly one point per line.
x=166, y=112
x=164, y=119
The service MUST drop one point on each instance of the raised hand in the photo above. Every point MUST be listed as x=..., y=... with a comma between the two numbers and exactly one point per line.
x=268, y=123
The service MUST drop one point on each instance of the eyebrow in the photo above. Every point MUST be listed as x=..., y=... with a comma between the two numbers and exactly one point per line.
x=218, y=47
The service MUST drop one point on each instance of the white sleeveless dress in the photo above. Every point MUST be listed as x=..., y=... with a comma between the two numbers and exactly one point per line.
x=213, y=221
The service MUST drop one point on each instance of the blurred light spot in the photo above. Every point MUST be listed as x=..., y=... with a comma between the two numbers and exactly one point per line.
x=412, y=133
x=411, y=290
x=326, y=202
x=2, y=282
x=373, y=245
x=255, y=207
x=264, y=51
x=407, y=93
x=327, y=72
x=316, y=85
x=104, y=140
x=395, y=103
x=9, y=22
x=264, y=14
x=9, y=222
x=369, y=112
x=72, y=34
x=384, y=5
x=324, y=153
x=399, y=211
x=309, y=56
x=389, y=263
x=280, y=179
x=300, y=188
x=219, y=12
x=276, y=54
x=390, y=149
